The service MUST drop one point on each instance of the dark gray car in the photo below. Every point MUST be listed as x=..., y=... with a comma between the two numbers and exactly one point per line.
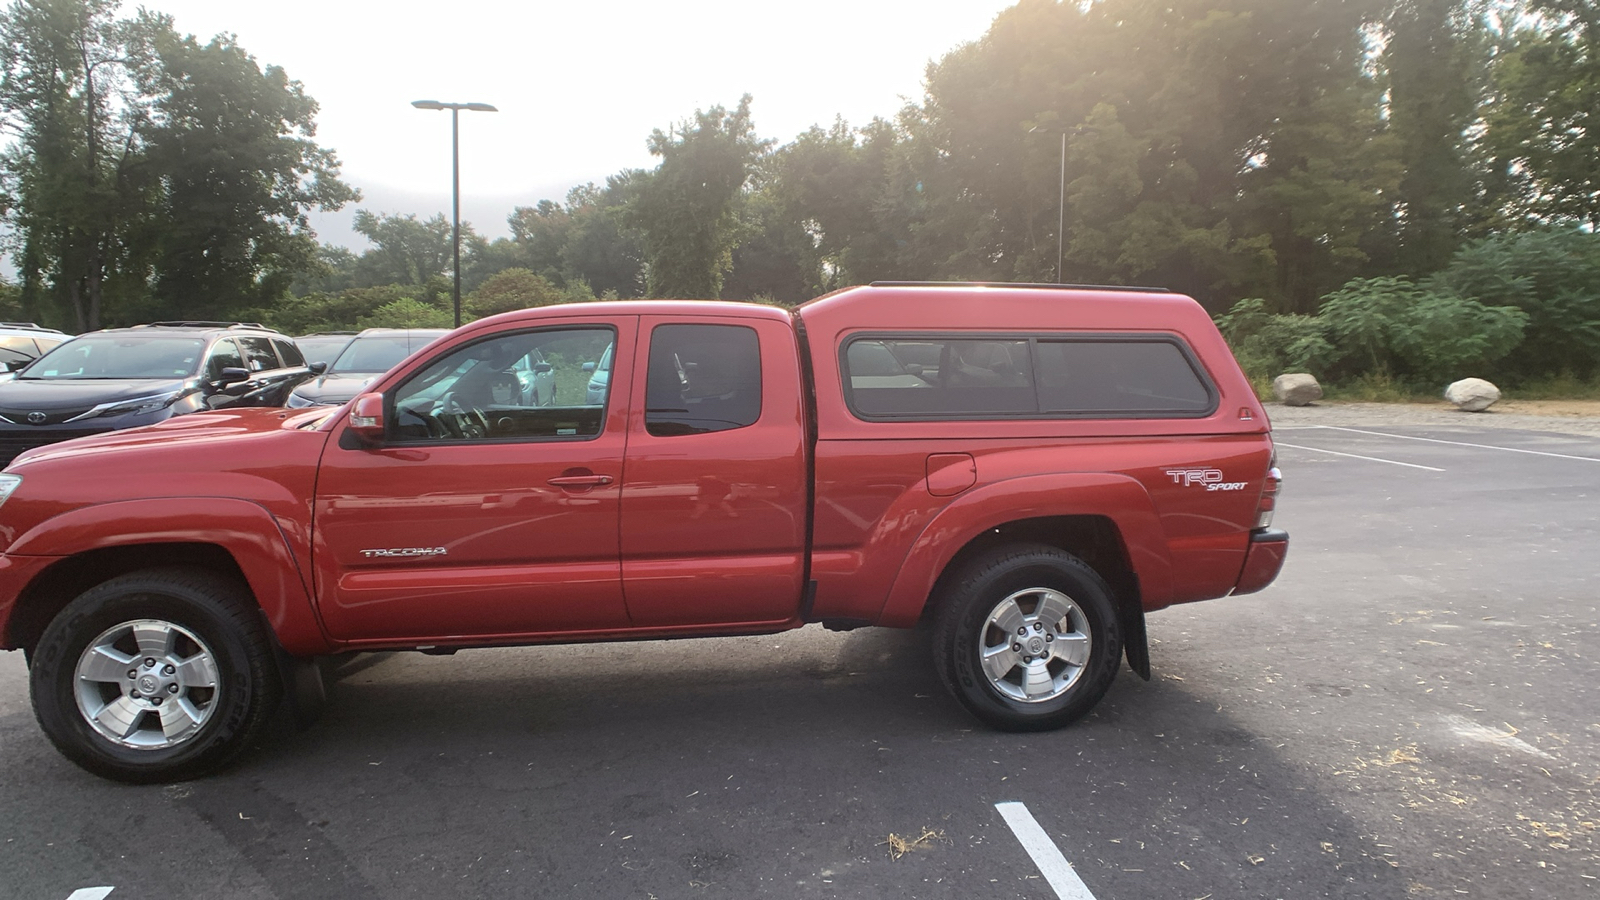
x=127, y=377
x=372, y=353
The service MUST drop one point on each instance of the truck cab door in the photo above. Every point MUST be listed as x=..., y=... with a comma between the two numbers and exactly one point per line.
x=714, y=494
x=482, y=515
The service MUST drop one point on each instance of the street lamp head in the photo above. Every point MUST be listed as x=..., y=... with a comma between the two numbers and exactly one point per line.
x=434, y=104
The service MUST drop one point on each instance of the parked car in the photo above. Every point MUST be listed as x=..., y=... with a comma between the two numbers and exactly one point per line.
x=1064, y=461
x=364, y=357
x=23, y=342
x=323, y=346
x=599, y=378
x=126, y=377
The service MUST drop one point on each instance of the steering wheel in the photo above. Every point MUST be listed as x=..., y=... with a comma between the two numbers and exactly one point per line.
x=460, y=420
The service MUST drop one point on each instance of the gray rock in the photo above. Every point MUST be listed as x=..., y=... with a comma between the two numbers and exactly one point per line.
x=1296, y=389
x=1472, y=394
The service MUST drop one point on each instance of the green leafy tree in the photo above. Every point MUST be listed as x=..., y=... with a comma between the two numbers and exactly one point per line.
x=512, y=289
x=406, y=250
x=1542, y=142
x=406, y=312
x=69, y=175
x=236, y=167
x=686, y=210
x=1434, y=59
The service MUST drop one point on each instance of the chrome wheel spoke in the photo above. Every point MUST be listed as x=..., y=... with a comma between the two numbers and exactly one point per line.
x=1037, y=682
x=1008, y=617
x=1053, y=607
x=198, y=671
x=154, y=638
x=178, y=718
x=999, y=660
x=120, y=717
x=104, y=664
x=1073, y=648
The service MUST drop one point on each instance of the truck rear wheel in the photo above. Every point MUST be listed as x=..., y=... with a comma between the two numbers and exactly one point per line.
x=160, y=675
x=1027, y=637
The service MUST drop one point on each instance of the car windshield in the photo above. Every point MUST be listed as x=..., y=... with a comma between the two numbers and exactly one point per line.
x=120, y=356
x=378, y=352
x=321, y=349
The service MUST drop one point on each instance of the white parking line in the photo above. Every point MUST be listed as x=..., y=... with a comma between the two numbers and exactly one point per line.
x=1054, y=866
x=94, y=893
x=1391, y=462
x=1408, y=437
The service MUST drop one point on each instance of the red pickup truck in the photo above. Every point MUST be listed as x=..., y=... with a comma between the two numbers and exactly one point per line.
x=1029, y=469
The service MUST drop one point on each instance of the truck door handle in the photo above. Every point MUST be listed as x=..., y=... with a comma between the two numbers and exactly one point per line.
x=580, y=480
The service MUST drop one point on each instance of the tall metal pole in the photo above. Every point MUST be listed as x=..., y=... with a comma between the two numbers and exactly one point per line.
x=455, y=201
x=455, y=182
x=1061, y=215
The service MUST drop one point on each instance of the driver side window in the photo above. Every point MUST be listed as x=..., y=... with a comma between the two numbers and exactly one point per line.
x=508, y=387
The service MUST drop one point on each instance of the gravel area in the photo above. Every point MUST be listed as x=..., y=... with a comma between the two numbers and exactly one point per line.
x=1575, y=417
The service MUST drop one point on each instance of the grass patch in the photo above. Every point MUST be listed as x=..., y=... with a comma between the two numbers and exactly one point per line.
x=1560, y=387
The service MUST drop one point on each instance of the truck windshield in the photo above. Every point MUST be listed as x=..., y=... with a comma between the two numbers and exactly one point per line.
x=119, y=356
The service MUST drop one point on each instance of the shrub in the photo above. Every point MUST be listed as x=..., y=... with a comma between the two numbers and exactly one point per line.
x=1554, y=277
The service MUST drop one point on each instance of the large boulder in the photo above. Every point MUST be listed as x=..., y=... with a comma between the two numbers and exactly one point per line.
x=1296, y=389
x=1472, y=394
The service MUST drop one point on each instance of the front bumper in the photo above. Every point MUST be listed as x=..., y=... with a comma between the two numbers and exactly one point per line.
x=1263, y=560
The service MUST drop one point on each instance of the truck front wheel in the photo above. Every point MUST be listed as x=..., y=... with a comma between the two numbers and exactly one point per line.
x=1027, y=637
x=160, y=675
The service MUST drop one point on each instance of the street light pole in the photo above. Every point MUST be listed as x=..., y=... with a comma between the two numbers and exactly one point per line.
x=1061, y=204
x=455, y=182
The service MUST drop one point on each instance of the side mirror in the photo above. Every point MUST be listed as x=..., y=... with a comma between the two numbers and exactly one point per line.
x=541, y=368
x=588, y=368
x=317, y=368
x=232, y=375
x=366, y=418
x=913, y=369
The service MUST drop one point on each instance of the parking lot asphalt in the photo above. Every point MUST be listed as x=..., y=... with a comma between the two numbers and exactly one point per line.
x=1410, y=711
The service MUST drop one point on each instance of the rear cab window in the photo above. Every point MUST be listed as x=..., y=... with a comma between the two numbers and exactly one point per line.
x=923, y=376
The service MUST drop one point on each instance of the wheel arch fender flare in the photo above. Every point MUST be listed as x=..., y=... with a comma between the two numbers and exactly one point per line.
x=247, y=531
x=1120, y=498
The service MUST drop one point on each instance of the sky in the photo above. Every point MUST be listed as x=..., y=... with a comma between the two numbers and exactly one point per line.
x=579, y=85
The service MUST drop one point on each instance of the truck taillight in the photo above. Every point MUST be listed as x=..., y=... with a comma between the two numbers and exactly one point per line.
x=1269, y=494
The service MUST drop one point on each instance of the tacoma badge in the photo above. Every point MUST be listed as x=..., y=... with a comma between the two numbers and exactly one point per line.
x=406, y=552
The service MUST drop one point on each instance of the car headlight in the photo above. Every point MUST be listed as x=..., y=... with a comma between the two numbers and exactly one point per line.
x=132, y=407
x=8, y=483
x=297, y=401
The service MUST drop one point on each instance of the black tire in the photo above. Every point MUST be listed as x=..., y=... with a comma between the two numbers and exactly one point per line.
x=214, y=631
x=1027, y=584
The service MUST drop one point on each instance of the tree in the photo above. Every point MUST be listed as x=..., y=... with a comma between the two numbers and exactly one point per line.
x=1434, y=65
x=232, y=155
x=406, y=250
x=72, y=197
x=686, y=210
x=512, y=289
x=152, y=175
x=1543, y=125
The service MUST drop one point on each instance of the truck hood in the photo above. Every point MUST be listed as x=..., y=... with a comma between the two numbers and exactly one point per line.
x=206, y=433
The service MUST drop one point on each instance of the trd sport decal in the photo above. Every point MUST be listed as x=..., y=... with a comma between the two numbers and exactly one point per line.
x=1210, y=479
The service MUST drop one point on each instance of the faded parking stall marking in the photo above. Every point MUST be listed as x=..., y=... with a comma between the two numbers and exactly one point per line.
x=1391, y=462
x=1409, y=437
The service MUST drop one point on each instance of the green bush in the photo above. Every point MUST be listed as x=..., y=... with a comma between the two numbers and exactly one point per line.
x=1268, y=344
x=1553, y=276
